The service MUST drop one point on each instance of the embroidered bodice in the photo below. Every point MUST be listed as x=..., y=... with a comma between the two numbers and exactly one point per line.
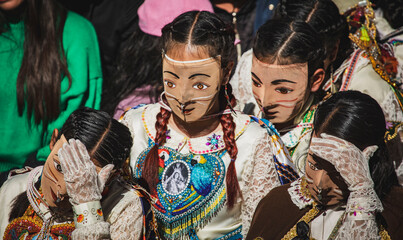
x=357, y=73
x=191, y=193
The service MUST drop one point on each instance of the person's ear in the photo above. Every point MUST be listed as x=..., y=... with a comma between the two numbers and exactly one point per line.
x=227, y=73
x=53, y=139
x=317, y=79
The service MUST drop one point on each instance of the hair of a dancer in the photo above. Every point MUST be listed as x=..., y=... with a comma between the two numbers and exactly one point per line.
x=356, y=117
x=206, y=31
x=107, y=141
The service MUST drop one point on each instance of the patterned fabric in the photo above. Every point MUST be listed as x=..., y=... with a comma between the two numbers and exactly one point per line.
x=150, y=230
x=285, y=168
x=255, y=167
x=190, y=189
x=28, y=226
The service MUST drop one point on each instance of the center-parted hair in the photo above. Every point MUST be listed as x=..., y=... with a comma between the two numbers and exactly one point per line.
x=107, y=140
x=356, y=117
x=207, y=32
x=324, y=17
x=284, y=42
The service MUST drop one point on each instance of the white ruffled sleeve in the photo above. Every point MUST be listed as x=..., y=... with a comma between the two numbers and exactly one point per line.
x=126, y=218
x=241, y=83
x=359, y=229
x=260, y=177
x=124, y=222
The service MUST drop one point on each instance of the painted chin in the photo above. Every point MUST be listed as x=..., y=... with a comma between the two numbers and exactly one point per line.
x=186, y=111
x=270, y=115
x=50, y=197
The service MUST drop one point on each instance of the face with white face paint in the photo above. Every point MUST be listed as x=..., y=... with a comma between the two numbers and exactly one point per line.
x=280, y=90
x=192, y=85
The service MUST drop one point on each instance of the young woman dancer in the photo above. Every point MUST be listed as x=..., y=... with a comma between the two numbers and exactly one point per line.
x=206, y=165
x=79, y=193
x=350, y=187
x=286, y=73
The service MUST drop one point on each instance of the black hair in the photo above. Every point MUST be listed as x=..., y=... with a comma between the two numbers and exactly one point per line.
x=106, y=140
x=44, y=63
x=392, y=12
x=208, y=31
x=356, y=117
x=324, y=17
x=139, y=64
x=284, y=42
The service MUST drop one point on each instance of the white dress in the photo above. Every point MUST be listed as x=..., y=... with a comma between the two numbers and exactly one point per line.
x=356, y=73
x=124, y=221
x=191, y=191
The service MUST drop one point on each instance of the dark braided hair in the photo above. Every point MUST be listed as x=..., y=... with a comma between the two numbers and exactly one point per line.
x=324, y=17
x=106, y=140
x=284, y=42
x=202, y=29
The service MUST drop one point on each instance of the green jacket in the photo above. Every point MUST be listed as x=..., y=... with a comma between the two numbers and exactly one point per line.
x=20, y=137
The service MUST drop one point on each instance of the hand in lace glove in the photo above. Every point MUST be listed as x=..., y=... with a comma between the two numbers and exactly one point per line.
x=83, y=183
x=352, y=164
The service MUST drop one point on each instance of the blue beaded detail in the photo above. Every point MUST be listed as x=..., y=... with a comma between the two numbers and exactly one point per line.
x=190, y=191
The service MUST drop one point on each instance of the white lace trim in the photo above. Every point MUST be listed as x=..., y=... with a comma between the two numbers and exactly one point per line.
x=399, y=172
x=352, y=230
x=391, y=108
x=126, y=218
x=355, y=172
x=95, y=231
x=260, y=176
x=241, y=83
x=297, y=197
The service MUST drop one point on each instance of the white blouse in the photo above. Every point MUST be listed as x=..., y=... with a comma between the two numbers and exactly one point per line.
x=124, y=222
x=255, y=170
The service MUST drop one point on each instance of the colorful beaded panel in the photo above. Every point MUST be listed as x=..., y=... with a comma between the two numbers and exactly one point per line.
x=291, y=139
x=190, y=191
x=29, y=225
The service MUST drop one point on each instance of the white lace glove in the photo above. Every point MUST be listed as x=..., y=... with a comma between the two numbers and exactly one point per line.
x=83, y=183
x=352, y=164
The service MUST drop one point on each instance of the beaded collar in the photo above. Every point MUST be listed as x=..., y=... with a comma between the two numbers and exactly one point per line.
x=292, y=138
x=212, y=142
x=299, y=193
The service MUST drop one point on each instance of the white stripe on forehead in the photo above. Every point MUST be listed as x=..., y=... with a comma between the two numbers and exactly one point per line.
x=192, y=61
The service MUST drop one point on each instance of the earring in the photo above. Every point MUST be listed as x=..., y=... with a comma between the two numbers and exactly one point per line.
x=227, y=97
x=59, y=198
x=319, y=194
x=333, y=85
